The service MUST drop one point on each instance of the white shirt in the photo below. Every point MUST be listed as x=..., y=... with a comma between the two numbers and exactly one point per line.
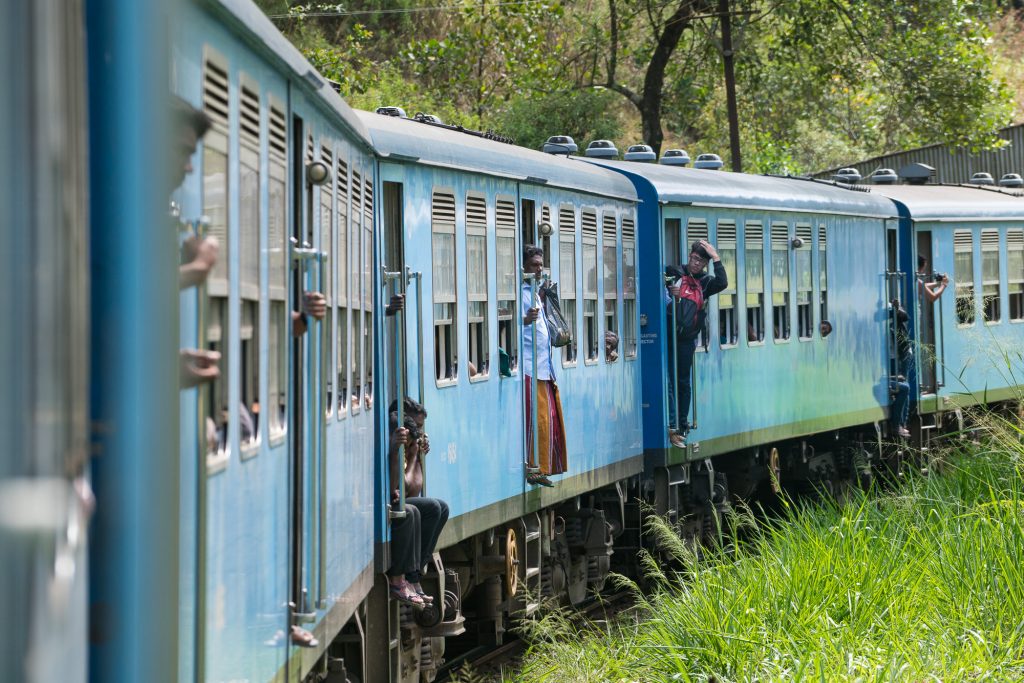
x=545, y=353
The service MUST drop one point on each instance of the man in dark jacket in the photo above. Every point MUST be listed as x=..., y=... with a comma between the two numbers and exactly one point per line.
x=689, y=294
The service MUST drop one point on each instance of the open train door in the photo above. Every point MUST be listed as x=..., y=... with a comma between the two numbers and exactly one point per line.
x=927, y=356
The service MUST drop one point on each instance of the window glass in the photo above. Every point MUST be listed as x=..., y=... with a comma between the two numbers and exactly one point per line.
x=567, y=275
x=1015, y=273
x=443, y=251
x=610, y=266
x=728, y=314
x=476, y=286
x=629, y=322
x=963, y=276
x=990, y=289
x=754, y=271
x=780, y=282
x=590, y=325
x=804, y=284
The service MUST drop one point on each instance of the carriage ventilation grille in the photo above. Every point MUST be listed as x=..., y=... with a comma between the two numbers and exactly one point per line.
x=803, y=232
x=990, y=240
x=357, y=193
x=215, y=91
x=250, y=115
x=754, y=235
x=696, y=230
x=505, y=214
x=326, y=156
x=962, y=241
x=589, y=224
x=309, y=149
x=1015, y=239
x=342, y=186
x=368, y=204
x=443, y=212
x=780, y=237
x=567, y=220
x=609, y=228
x=476, y=214
x=628, y=230
x=277, y=132
x=822, y=241
x=726, y=236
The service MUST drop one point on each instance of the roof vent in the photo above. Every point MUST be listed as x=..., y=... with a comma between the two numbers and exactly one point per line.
x=1011, y=180
x=917, y=174
x=711, y=161
x=884, y=176
x=560, y=144
x=847, y=175
x=982, y=179
x=391, y=111
x=428, y=118
x=601, y=149
x=675, y=157
x=640, y=153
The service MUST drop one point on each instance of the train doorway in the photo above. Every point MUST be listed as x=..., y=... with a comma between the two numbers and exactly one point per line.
x=926, y=315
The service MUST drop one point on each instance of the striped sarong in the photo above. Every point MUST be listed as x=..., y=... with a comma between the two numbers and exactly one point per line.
x=551, y=434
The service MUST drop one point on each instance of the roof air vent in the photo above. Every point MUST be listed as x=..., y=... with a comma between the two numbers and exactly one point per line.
x=602, y=149
x=428, y=118
x=1011, y=180
x=560, y=144
x=391, y=111
x=982, y=179
x=711, y=161
x=917, y=174
x=640, y=153
x=847, y=175
x=675, y=157
x=884, y=176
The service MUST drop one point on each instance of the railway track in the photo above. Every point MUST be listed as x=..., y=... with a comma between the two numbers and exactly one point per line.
x=487, y=661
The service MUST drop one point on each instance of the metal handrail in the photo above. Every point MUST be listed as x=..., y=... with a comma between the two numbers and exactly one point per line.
x=322, y=259
x=418, y=276
x=675, y=357
x=399, y=324
x=535, y=449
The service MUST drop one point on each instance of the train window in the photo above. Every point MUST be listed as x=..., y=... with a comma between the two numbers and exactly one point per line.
x=588, y=224
x=697, y=229
x=327, y=284
x=215, y=207
x=356, y=383
x=780, y=281
x=753, y=255
x=672, y=232
x=508, y=281
x=728, y=313
x=367, y=251
x=545, y=240
x=476, y=285
x=442, y=226
x=249, y=272
x=567, y=275
x=991, y=300
x=823, y=272
x=1015, y=273
x=276, y=408
x=963, y=275
x=610, y=255
x=629, y=336
x=804, y=285
x=342, y=364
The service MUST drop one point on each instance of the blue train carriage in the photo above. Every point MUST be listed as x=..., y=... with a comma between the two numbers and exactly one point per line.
x=770, y=393
x=456, y=211
x=278, y=466
x=968, y=341
x=44, y=347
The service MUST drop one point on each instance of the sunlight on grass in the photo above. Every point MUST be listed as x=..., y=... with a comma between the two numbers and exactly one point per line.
x=923, y=583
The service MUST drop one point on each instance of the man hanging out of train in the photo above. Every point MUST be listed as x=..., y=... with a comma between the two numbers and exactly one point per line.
x=415, y=536
x=689, y=293
x=550, y=425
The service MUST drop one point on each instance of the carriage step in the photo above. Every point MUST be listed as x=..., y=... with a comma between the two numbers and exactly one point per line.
x=532, y=536
x=531, y=572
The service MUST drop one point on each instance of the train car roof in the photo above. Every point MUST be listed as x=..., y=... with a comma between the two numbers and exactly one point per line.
x=954, y=202
x=408, y=140
x=699, y=187
x=249, y=21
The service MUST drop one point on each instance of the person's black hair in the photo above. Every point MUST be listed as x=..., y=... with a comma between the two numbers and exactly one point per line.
x=184, y=115
x=698, y=249
x=674, y=271
x=921, y=261
x=531, y=250
x=410, y=407
x=414, y=429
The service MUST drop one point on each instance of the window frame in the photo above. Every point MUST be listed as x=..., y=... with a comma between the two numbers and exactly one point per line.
x=963, y=243
x=748, y=247
x=444, y=225
x=989, y=246
x=506, y=229
x=697, y=229
x=1015, y=244
x=478, y=229
x=568, y=237
x=629, y=322
x=726, y=233
x=277, y=292
x=776, y=229
x=610, y=228
x=805, y=232
x=589, y=237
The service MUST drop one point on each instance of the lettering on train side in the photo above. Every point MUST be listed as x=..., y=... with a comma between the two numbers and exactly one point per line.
x=452, y=455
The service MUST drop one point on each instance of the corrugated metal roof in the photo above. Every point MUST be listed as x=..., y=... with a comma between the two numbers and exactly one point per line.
x=718, y=188
x=953, y=202
x=409, y=140
x=951, y=166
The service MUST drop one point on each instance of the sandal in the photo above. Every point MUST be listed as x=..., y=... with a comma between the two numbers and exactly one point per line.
x=404, y=593
x=426, y=597
x=303, y=638
x=538, y=479
x=677, y=439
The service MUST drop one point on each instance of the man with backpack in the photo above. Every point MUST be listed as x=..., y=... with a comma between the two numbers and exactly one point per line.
x=689, y=294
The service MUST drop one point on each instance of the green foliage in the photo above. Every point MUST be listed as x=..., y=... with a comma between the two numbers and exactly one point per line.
x=925, y=582
x=583, y=114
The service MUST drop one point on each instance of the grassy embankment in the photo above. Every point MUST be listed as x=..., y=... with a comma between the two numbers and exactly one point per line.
x=921, y=583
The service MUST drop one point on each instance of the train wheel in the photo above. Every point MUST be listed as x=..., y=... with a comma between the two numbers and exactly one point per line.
x=511, y=563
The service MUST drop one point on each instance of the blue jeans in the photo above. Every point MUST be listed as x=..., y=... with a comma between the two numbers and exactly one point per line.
x=684, y=358
x=901, y=404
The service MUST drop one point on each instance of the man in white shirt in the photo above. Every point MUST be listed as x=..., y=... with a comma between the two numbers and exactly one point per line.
x=551, y=446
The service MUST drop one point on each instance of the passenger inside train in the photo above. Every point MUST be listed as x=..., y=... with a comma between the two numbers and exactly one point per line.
x=551, y=452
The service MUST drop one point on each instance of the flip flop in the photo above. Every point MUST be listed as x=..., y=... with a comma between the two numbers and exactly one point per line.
x=303, y=638
x=538, y=480
x=404, y=594
x=426, y=597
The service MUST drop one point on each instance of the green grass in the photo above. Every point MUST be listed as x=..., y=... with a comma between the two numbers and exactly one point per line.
x=922, y=583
